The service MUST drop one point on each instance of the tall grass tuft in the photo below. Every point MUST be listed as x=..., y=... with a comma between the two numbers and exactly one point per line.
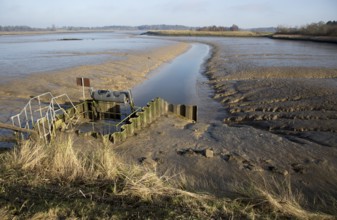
x=63, y=162
x=277, y=197
x=144, y=183
x=59, y=161
x=27, y=156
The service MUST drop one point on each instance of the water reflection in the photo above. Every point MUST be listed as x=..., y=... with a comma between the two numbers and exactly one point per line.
x=21, y=55
x=175, y=82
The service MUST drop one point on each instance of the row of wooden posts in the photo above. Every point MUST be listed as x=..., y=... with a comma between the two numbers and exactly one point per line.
x=150, y=113
x=135, y=122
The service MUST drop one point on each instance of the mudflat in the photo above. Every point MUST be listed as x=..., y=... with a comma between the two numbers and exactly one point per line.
x=269, y=126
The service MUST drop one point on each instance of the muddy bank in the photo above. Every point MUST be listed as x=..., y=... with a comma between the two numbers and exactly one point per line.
x=274, y=127
x=121, y=74
x=299, y=102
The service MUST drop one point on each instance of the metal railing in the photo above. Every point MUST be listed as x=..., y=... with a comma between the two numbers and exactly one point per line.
x=41, y=110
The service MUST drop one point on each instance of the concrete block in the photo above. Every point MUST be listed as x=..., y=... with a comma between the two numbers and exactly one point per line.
x=209, y=153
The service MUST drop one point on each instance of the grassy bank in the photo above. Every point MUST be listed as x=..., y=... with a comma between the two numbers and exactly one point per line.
x=326, y=39
x=319, y=32
x=177, y=33
x=57, y=180
x=207, y=33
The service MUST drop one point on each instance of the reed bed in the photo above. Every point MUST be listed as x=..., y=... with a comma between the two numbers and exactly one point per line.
x=208, y=33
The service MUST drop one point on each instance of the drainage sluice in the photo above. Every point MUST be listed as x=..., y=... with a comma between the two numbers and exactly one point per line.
x=114, y=122
x=111, y=120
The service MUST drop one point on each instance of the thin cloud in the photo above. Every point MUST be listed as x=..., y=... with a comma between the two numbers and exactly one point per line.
x=191, y=6
x=253, y=8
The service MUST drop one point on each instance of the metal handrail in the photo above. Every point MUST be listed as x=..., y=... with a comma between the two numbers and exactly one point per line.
x=49, y=113
x=24, y=110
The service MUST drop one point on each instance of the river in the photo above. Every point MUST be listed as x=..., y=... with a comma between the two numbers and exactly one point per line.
x=25, y=54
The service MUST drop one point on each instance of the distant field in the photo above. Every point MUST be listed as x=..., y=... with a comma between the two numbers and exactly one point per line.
x=209, y=33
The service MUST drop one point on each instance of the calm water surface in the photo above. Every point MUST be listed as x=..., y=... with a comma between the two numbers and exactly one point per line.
x=176, y=81
x=26, y=54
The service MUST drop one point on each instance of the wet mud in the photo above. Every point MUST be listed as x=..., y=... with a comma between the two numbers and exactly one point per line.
x=297, y=102
x=268, y=125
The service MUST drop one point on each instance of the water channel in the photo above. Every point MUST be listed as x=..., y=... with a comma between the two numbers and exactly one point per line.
x=182, y=82
x=176, y=81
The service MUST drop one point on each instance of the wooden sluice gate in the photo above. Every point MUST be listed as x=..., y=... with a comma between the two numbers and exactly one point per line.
x=118, y=125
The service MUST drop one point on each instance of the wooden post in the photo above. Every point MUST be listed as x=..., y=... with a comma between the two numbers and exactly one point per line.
x=16, y=128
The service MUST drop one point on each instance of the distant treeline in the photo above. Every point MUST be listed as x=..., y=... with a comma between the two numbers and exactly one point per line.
x=120, y=27
x=54, y=28
x=314, y=29
x=219, y=28
x=163, y=27
x=18, y=28
x=112, y=27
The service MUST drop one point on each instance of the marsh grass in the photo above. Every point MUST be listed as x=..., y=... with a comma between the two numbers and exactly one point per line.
x=51, y=181
x=208, y=33
x=277, y=198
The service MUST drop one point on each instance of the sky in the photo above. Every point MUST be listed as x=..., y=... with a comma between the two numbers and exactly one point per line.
x=91, y=13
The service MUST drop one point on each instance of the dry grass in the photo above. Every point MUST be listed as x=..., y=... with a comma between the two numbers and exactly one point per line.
x=278, y=198
x=42, y=181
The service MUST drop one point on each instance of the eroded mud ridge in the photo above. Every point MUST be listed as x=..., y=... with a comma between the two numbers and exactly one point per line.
x=298, y=102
